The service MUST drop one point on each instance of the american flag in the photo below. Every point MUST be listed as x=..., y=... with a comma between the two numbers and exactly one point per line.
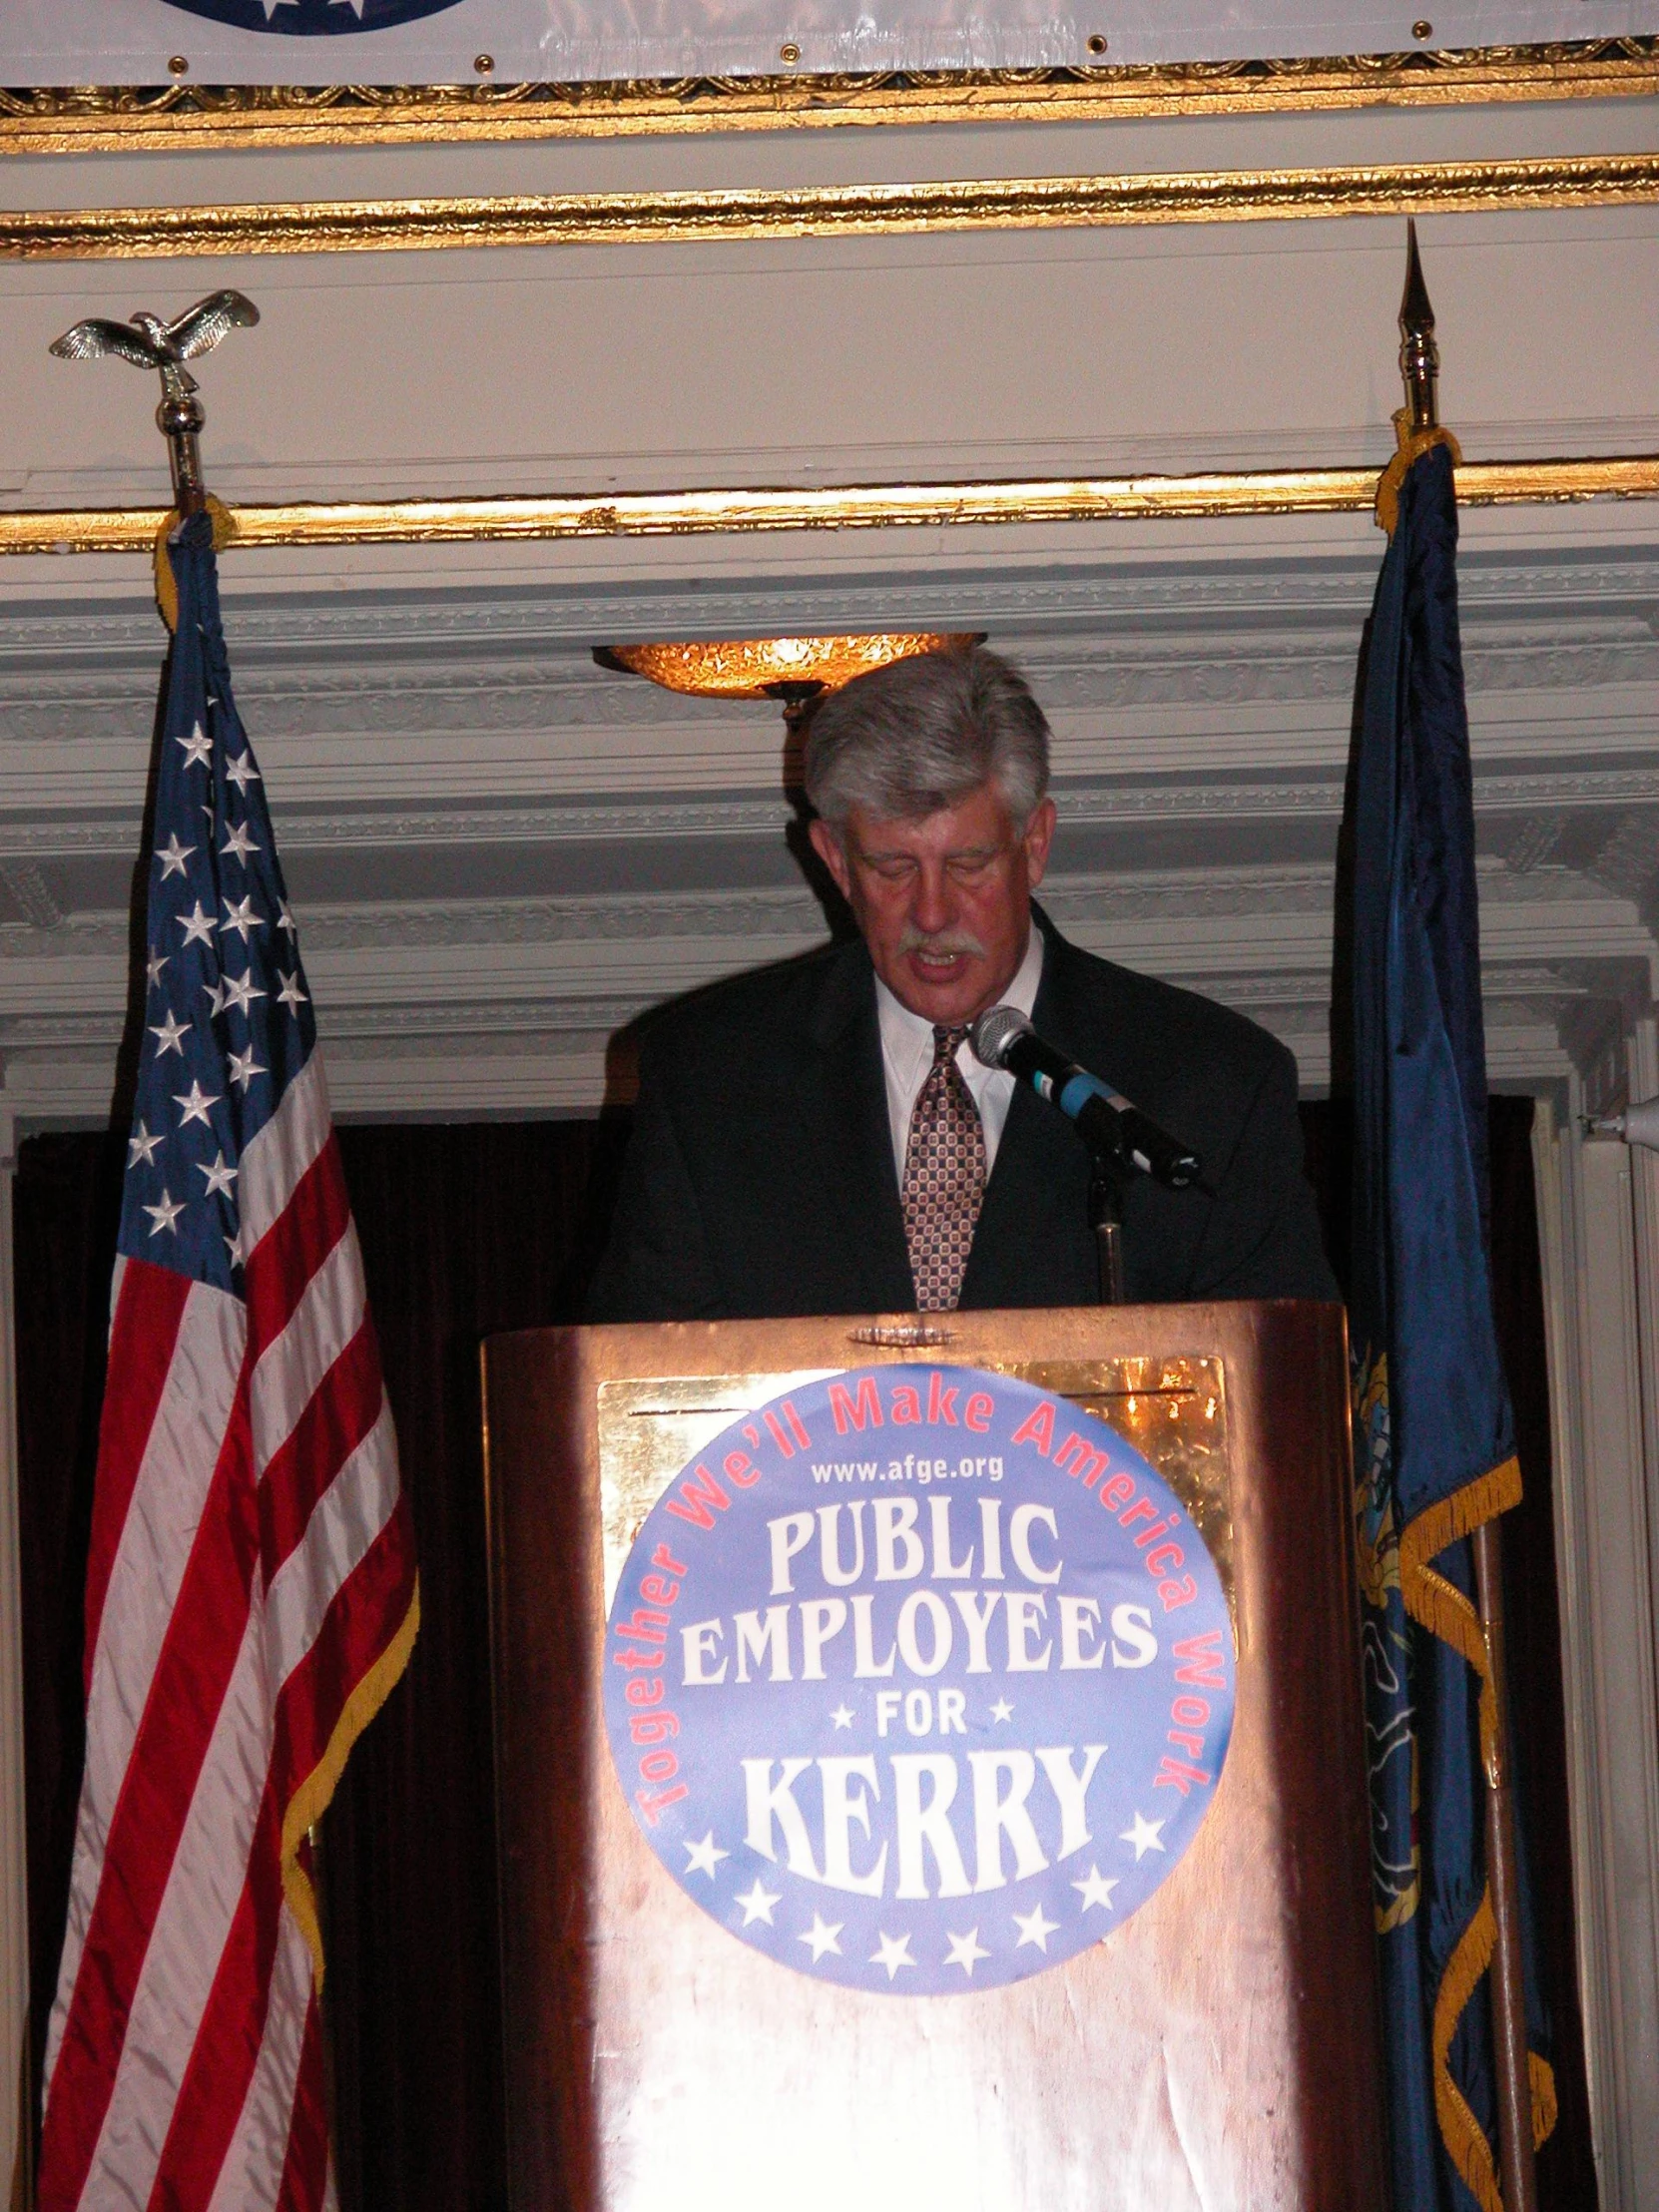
x=251, y=1590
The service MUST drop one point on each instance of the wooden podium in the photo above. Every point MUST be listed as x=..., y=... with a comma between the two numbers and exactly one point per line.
x=1219, y=2050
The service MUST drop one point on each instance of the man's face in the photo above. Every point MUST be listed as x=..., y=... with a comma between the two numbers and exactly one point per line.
x=943, y=900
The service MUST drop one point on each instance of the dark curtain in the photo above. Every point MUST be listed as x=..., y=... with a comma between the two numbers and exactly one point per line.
x=467, y=1230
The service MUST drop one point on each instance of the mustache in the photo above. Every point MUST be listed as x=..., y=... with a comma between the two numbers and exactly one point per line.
x=940, y=940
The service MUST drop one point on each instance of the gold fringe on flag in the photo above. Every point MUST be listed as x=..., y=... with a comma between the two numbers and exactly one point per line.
x=311, y=1799
x=1445, y=1612
x=1413, y=444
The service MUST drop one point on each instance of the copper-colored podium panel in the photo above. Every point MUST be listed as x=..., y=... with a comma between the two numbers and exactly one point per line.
x=1218, y=2049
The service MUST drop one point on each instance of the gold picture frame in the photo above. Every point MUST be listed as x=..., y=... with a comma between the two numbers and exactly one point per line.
x=93, y=119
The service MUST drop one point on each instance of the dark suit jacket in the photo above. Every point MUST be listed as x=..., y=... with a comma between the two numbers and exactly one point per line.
x=760, y=1177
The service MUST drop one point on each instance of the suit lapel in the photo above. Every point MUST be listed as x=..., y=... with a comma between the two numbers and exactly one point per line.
x=844, y=1104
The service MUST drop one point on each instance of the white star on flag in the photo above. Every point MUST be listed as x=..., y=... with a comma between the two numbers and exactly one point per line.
x=290, y=996
x=1144, y=1836
x=173, y=856
x=284, y=921
x=142, y=1146
x=842, y=1716
x=197, y=747
x=164, y=1215
x=758, y=1904
x=1096, y=1889
x=1003, y=1710
x=238, y=990
x=242, y=918
x=965, y=1952
x=232, y=1246
x=216, y=995
x=240, y=841
x=195, y=1103
x=822, y=1936
x=198, y=926
x=219, y=1177
x=892, y=1951
x=170, y=1032
x=154, y=965
x=243, y=1067
x=700, y=1857
x=1034, y=1929
x=241, y=771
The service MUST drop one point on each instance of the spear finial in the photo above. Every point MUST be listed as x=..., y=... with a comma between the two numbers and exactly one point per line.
x=1419, y=356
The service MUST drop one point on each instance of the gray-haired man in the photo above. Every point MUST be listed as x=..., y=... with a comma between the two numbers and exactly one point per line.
x=818, y=1136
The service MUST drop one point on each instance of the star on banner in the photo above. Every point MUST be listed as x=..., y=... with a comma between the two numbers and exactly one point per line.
x=842, y=1716
x=242, y=772
x=758, y=1904
x=1096, y=1889
x=197, y=747
x=164, y=1215
x=702, y=1858
x=238, y=990
x=240, y=842
x=198, y=926
x=822, y=1936
x=243, y=1067
x=892, y=1951
x=1003, y=1710
x=290, y=996
x=1144, y=1836
x=1034, y=1929
x=241, y=917
x=170, y=1032
x=142, y=1146
x=194, y=1104
x=965, y=1952
x=173, y=856
x=219, y=1177
x=154, y=965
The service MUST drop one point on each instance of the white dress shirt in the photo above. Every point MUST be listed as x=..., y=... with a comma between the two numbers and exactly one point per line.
x=907, y=1055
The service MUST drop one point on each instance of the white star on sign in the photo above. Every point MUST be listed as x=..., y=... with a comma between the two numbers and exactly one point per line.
x=196, y=1103
x=758, y=1904
x=196, y=746
x=892, y=1951
x=173, y=856
x=1096, y=1889
x=243, y=918
x=220, y=1178
x=1144, y=1836
x=842, y=1716
x=240, y=842
x=198, y=926
x=154, y=965
x=141, y=1146
x=700, y=1857
x=243, y=1067
x=241, y=771
x=238, y=990
x=1034, y=1929
x=965, y=1952
x=1003, y=1710
x=164, y=1215
x=290, y=996
x=822, y=1936
x=170, y=1033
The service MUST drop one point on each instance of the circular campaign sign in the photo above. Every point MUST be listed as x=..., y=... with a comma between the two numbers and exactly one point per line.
x=919, y=1679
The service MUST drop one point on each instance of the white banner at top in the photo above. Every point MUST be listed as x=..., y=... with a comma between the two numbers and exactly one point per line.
x=440, y=42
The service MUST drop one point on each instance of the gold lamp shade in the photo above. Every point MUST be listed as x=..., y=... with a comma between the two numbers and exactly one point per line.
x=775, y=667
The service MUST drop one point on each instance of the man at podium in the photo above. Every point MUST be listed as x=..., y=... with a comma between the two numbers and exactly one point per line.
x=820, y=1137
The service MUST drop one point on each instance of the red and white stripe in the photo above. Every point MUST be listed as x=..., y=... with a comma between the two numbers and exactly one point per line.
x=252, y=1565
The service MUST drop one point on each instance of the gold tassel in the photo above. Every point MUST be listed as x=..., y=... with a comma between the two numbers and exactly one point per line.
x=166, y=591
x=1412, y=445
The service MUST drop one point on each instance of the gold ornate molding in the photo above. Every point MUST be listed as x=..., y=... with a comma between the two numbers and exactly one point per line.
x=129, y=119
x=843, y=508
x=827, y=210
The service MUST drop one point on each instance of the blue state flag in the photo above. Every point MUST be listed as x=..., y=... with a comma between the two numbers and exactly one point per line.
x=1435, y=1450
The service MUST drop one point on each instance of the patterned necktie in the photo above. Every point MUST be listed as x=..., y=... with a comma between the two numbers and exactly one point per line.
x=944, y=1177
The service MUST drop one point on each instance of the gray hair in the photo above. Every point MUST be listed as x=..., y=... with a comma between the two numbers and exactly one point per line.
x=925, y=733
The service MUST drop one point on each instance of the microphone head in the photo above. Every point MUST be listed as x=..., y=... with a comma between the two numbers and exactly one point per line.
x=994, y=1032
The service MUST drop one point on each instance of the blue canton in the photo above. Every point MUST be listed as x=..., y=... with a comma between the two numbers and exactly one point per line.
x=227, y=1020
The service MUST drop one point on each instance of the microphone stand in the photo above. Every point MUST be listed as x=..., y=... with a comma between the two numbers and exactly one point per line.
x=1106, y=1219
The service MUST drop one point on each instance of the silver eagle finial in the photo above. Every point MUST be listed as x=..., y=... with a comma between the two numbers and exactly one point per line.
x=148, y=342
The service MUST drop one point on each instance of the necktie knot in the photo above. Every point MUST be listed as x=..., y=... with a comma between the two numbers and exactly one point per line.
x=948, y=1042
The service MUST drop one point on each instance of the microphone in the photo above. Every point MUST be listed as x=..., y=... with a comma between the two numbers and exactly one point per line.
x=1004, y=1038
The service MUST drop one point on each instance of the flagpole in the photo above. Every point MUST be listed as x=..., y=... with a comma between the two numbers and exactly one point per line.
x=1420, y=364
